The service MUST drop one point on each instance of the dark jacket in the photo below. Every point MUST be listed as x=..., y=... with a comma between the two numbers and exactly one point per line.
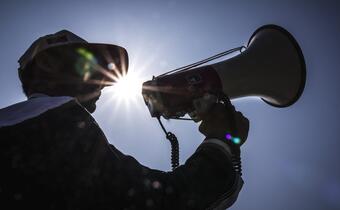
x=53, y=155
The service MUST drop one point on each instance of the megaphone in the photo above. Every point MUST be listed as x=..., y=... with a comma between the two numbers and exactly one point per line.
x=271, y=67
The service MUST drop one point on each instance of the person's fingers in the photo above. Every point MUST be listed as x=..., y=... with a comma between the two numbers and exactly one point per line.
x=217, y=111
x=223, y=118
x=212, y=130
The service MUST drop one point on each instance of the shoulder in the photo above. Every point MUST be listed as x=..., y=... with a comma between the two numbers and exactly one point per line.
x=36, y=107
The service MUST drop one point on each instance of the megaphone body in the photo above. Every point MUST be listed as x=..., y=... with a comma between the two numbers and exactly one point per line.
x=272, y=67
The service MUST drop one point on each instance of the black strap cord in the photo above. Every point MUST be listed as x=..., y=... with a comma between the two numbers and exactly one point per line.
x=174, y=146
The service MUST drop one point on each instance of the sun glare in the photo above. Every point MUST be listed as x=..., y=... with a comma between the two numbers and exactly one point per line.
x=126, y=92
x=128, y=87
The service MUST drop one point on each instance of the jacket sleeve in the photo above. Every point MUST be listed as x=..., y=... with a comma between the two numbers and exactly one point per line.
x=206, y=180
x=108, y=179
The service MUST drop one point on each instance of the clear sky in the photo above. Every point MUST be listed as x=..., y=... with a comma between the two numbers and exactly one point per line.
x=290, y=160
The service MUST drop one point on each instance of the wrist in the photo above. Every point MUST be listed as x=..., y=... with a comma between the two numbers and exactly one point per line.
x=233, y=148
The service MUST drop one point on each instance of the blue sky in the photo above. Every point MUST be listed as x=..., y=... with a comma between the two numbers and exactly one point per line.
x=290, y=158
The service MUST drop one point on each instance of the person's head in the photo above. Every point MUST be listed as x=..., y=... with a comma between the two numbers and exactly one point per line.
x=63, y=64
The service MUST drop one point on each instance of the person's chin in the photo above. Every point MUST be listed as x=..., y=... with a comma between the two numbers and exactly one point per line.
x=90, y=104
x=91, y=108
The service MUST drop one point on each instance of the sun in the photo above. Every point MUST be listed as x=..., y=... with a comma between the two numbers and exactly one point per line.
x=125, y=94
x=128, y=87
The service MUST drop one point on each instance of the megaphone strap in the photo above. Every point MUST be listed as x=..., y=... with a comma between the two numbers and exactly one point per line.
x=214, y=57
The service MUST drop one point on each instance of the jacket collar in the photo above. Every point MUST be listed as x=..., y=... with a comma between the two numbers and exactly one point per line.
x=36, y=105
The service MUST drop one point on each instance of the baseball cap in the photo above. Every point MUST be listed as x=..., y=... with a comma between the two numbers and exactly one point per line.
x=70, y=49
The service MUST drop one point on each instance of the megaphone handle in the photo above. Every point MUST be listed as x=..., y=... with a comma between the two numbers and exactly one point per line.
x=227, y=103
x=236, y=157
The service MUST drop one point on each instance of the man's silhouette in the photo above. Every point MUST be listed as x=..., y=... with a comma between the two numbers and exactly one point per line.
x=53, y=154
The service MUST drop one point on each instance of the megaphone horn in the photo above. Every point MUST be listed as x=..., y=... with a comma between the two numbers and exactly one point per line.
x=272, y=68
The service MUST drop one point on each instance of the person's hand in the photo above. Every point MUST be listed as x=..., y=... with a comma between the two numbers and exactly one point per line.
x=222, y=119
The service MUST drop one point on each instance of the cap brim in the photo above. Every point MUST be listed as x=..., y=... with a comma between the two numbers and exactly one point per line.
x=108, y=50
x=110, y=61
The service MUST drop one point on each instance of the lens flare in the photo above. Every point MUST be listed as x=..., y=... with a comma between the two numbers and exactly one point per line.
x=85, y=63
x=111, y=66
x=236, y=140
